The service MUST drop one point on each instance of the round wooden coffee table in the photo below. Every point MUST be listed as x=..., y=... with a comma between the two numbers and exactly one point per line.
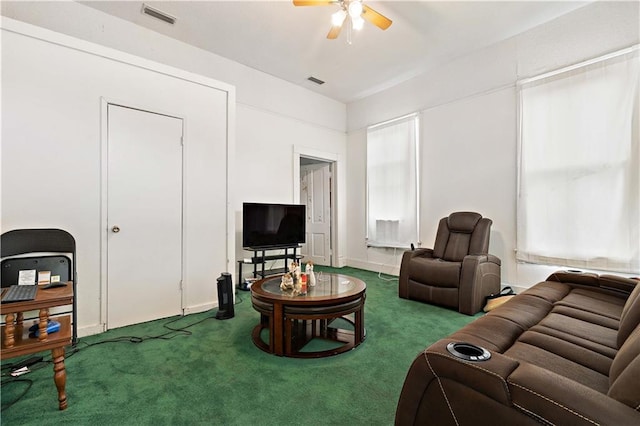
x=293, y=320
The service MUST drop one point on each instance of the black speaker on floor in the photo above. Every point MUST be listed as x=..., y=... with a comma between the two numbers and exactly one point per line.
x=225, y=297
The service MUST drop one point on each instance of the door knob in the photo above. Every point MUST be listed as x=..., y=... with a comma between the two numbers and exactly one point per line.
x=115, y=229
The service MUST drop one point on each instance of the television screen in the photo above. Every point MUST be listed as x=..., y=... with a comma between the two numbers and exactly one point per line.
x=272, y=225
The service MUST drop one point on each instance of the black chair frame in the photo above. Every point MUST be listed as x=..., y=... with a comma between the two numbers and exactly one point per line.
x=19, y=242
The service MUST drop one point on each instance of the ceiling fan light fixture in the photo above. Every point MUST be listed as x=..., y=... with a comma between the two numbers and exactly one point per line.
x=357, y=23
x=355, y=9
x=338, y=18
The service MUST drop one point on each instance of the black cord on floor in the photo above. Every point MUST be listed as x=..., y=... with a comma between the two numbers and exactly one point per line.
x=173, y=332
x=29, y=383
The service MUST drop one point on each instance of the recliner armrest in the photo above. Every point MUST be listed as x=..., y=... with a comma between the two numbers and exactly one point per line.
x=442, y=389
x=420, y=252
x=487, y=377
x=484, y=258
x=479, y=277
x=403, y=280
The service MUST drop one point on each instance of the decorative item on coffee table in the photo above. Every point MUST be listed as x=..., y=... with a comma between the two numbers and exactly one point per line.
x=311, y=277
x=286, y=283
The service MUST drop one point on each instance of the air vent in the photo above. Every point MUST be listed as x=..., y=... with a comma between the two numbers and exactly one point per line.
x=158, y=14
x=315, y=80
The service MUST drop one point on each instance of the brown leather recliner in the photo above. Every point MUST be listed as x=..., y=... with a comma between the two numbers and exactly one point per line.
x=458, y=272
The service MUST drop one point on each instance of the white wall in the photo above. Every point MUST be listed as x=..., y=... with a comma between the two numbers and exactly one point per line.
x=468, y=143
x=276, y=111
x=273, y=116
x=253, y=88
x=264, y=163
x=54, y=90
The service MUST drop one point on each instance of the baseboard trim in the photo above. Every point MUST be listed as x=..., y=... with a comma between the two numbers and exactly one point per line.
x=199, y=308
x=91, y=330
x=374, y=267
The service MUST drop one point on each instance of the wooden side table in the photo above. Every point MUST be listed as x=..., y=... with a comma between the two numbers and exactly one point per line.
x=15, y=335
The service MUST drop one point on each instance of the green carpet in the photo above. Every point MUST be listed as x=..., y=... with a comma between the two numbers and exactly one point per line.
x=215, y=374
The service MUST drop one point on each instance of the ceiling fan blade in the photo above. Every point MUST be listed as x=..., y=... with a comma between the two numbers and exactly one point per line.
x=334, y=32
x=313, y=2
x=375, y=18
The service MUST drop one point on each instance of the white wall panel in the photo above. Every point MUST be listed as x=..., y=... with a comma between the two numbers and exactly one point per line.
x=253, y=87
x=479, y=173
x=264, y=153
x=52, y=154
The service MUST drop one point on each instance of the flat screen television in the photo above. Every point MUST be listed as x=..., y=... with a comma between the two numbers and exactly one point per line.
x=272, y=225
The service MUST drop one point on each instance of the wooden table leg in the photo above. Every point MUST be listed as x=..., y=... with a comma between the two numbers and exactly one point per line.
x=42, y=324
x=288, y=331
x=278, y=329
x=60, y=376
x=9, y=330
x=358, y=332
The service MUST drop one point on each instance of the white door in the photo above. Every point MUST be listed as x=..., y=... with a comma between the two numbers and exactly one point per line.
x=144, y=197
x=315, y=193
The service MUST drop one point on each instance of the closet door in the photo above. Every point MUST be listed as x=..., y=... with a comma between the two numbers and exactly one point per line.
x=144, y=197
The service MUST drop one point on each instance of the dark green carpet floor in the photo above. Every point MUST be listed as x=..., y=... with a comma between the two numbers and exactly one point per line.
x=217, y=376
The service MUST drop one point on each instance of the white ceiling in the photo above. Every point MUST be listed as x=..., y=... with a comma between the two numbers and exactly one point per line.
x=290, y=42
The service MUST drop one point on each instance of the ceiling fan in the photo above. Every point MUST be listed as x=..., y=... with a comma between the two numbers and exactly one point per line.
x=352, y=10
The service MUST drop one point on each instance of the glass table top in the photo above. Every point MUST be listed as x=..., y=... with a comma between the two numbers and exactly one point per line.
x=326, y=285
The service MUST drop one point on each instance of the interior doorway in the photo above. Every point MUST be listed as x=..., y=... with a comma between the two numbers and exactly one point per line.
x=316, y=193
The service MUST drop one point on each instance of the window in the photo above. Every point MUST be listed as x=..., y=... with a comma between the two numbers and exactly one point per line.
x=579, y=184
x=392, y=183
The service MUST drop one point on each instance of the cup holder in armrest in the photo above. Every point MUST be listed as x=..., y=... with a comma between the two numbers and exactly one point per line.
x=468, y=351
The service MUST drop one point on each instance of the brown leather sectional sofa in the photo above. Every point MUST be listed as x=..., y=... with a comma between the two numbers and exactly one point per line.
x=565, y=352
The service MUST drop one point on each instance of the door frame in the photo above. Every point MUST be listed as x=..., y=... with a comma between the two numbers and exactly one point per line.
x=104, y=180
x=334, y=160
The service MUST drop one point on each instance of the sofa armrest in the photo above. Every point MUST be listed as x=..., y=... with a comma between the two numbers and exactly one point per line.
x=441, y=389
x=480, y=277
x=403, y=280
x=586, y=279
x=609, y=283
x=559, y=400
x=618, y=283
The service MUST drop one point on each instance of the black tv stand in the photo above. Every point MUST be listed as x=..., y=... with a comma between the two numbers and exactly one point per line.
x=260, y=257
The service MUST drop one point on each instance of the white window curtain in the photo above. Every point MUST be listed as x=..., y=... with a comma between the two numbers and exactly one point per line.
x=392, y=183
x=579, y=186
